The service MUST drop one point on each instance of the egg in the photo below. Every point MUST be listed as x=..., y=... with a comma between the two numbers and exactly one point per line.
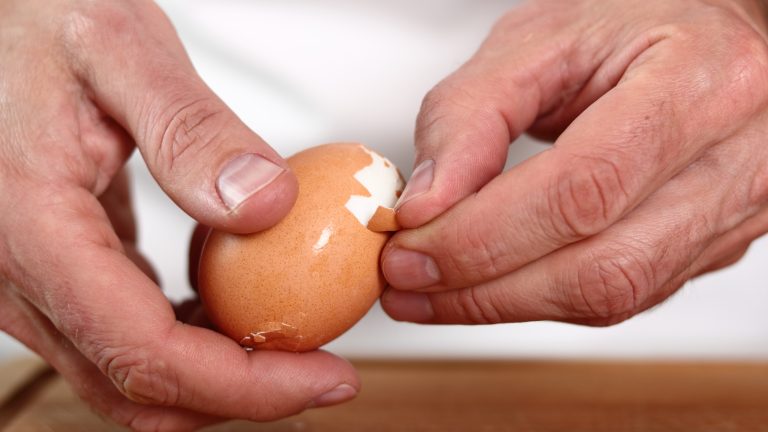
x=303, y=282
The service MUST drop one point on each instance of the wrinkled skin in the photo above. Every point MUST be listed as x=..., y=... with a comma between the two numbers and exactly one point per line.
x=659, y=109
x=658, y=172
x=81, y=84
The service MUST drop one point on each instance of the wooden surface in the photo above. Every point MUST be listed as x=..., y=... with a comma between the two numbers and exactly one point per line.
x=468, y=396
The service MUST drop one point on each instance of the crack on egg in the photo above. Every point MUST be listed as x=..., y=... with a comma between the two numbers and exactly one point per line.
x=382, y=181
x=287, y=334
x=274, y=331
x=325, y=236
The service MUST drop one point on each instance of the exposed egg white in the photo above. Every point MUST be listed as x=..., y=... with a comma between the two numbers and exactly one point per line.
x=383, y=182
x=324, y=237
x=309, y=278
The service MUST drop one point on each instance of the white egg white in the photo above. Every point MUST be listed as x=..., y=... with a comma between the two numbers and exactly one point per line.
x=383, y=182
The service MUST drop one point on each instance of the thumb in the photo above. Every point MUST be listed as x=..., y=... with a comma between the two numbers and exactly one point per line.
x=462, y=137
x=529, y=74
x=201, y=154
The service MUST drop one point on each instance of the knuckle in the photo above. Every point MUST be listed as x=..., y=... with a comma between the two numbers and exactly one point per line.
x=142, y=379
x=748, y=68
x=475, y=306
x=189, y=132
x=95, y=23
x=742, y=50
x=586, y=199
x=612, y=287
x=741, y=75
x=432, y=110
x=474, y=255
x=452, y=101
x=450, y=92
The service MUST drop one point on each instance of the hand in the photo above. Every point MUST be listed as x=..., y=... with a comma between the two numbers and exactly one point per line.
x=659, y=170
x=81, y=84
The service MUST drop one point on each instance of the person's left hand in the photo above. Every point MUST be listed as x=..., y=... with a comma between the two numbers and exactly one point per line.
x=82, y=84
x=659, y=172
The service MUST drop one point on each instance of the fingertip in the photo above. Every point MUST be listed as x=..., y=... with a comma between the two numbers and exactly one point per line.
x=328, y=379
x=407, y=306
x=338, y=395
x=419, y=184
x=255, y=201
x=245, y=176
x=408, y=269
x=456, y=159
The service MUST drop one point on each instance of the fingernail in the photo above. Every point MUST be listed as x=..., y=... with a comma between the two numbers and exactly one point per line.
x=407, y=269
x=420, y=182
x=407, y=306
x=336, y=396
x=243, y=177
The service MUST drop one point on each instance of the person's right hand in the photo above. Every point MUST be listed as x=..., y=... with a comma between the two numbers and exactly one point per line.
x=659, y=171
x=81, y=83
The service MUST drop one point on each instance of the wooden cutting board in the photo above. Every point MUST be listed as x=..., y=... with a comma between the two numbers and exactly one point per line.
x=465, y=396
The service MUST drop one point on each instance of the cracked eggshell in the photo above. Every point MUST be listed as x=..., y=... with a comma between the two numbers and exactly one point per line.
x=308, y=279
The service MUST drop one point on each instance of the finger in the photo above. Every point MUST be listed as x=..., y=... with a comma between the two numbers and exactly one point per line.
x=116, y=201
x=24, y=322
x=192, y=312
x=731, y=246
x=79, y=280
x=628, y=268
x=610, y=159
x=528, y=72
x=724, y=260
x=198, y=150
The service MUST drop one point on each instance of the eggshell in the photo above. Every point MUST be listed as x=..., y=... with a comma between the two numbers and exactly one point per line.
x=384, y=220
x=308, y=279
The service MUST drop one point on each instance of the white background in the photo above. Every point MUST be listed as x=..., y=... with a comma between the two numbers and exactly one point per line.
x=306, y=72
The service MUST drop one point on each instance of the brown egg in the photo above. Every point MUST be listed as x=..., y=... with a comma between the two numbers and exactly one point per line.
x=308, y=279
